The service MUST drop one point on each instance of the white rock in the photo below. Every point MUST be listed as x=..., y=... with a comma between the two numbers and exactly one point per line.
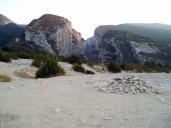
x=127, y=85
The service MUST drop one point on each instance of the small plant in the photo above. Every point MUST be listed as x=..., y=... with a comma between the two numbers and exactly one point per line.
x=5, y=78
x=49, y=67
x=4, y=57
x=78, y=68
x=38, y=60
x=114, y=68
x=90, y=63
x=127, y=67
x=36, y=63
x=73, y=59
x=89, y=72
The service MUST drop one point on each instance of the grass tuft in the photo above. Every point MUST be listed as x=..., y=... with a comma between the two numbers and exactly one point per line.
x=5, y=78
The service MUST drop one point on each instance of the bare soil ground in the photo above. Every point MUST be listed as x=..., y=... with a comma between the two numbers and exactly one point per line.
x=73, y=101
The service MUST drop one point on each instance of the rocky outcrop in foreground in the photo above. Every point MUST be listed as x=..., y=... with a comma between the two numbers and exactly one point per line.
x=54, y=34
x=127, y=85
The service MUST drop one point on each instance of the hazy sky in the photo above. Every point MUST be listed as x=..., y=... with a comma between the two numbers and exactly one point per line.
x=86, y=15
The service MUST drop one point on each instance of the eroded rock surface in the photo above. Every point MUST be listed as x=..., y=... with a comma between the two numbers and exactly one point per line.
x=111, y=45
x=54, y=34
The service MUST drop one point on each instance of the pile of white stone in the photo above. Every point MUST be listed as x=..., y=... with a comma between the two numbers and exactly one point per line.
x=127, y=85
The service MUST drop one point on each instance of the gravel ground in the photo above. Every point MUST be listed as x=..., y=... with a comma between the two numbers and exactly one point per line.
x=74, y=102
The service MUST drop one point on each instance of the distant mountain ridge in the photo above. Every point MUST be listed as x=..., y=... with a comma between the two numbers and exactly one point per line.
x=124, y=43
x=150, y=41
x=49, y=33
x=4, y=20
x=155, y=31
x=9, y=31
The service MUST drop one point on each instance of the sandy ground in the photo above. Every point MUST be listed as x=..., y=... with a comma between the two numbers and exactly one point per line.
x=73, y=102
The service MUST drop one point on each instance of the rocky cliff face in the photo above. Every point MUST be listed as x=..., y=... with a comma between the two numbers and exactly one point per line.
x=150, y=41
x=54, y=34
x=4, y=20
x=111, y=46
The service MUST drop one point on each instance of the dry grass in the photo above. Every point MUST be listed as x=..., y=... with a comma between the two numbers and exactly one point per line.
x=26, y=73
x=4, y=78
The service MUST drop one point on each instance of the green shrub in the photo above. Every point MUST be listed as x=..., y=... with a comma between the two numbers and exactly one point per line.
x=127, y=67
x=11, y=55
x=73, y=59
x=147, y=67
x=89, y=72
x=25, y=55
x=4, y=57
x=78, y=68
x=37, y=61
x=166, y=70
x=90, y=63
x=22, y=50
x=5, y=78
x=114, y=68
x=150, y=64
x=49, y=67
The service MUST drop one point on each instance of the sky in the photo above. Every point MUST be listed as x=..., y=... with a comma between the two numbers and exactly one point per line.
x=86, y=15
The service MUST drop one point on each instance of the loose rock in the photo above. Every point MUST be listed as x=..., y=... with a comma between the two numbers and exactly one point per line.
x=127, y=85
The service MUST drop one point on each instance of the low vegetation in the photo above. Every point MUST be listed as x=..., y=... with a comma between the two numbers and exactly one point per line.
x=73, y=59
x=78, y=68
x=4, y=57
x=49, y=67
x=148, y=66
x=26, y=73
x=114, y=68
x=39, y=59
x=89, y=72
x=21, y=50
x=4, y=78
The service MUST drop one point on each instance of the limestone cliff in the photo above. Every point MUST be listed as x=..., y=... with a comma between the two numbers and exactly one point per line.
x=130, y=44
x=111, y=46
x=54, y=34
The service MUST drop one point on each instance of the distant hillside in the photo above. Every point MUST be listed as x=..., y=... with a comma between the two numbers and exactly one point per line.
x=115, y=42
x=154, y=31
x=4, y=20
x=49, y=33
x=10, y=32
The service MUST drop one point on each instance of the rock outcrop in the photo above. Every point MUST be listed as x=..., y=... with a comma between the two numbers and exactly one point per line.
x=54, y=34
x=4, y=20
x=111, y=45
